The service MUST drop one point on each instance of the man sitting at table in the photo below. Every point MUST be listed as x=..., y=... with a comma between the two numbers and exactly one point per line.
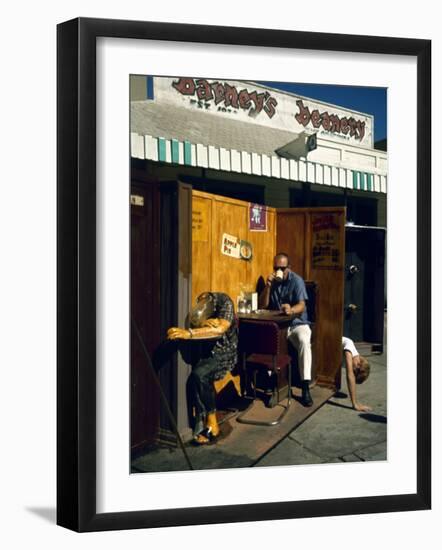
x=285, y=290
x=212, y=322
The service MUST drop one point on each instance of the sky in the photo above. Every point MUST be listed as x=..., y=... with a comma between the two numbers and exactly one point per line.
x=367, y=100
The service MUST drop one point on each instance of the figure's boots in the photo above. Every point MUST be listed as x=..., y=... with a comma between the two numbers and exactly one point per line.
x=306, y=398
x=212, y=424
x=210, y=432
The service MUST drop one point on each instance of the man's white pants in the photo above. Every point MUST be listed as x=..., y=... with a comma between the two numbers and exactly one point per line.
x=300, y=338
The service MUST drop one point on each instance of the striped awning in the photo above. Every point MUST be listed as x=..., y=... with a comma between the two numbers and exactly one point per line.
x=172, y=151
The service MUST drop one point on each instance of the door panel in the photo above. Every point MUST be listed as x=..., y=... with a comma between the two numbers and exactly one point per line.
x=145, y=311
x=314, y=239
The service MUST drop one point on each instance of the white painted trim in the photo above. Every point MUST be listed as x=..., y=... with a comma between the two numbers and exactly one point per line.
x=246, y=161
x=236, y=160
x=202, y=156
x=231, y=160
x=214, y=157
x=319, y=174
x=311, y=171
x=224, y=158
x=334, y=176
x=294, y=170
x=285, y=169
x=302, y=170
x=168, y=150
x=256, y=164
x=180, y=152
x=193, y=150
x=266, y=166
x=151, y=148
x=136, y=146
x=276, y=167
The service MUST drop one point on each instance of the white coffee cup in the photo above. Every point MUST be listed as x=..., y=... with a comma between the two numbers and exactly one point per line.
x=279, y=275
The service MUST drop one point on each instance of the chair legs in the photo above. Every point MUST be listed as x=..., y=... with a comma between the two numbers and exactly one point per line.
x=240, y=417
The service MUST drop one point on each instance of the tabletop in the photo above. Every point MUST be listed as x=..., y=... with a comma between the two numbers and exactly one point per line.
x=276, y=316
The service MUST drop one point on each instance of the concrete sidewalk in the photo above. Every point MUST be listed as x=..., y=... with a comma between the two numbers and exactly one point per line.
x=334, y=433
x=337, y=433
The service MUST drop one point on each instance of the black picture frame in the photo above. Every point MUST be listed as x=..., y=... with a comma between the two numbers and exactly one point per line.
x=76, y=273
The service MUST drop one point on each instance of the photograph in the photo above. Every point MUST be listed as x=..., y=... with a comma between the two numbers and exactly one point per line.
x=227, y=246
x=258, y=270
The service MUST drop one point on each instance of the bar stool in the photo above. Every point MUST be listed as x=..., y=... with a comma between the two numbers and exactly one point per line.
x=259, y=345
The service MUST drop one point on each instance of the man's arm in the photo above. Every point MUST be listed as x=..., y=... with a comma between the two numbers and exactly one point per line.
x=297, y=309
x=298, y=297
x=264, y=297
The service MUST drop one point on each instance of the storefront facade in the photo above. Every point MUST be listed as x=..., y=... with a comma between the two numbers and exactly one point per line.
x=252, y=144
x=242, y=136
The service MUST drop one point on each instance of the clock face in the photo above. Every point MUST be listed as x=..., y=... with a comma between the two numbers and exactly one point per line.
x=246, y=251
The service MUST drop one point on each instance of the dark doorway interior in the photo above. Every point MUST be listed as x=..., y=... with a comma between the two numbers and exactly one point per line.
x=364, y=284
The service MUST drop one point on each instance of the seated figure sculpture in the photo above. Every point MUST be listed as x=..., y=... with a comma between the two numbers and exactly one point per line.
x=213, y=323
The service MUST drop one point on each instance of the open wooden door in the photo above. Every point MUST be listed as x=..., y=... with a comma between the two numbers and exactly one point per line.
x=314, y=239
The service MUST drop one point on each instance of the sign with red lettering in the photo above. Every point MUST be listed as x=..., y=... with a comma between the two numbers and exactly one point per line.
x=224, y=95
x=230, y=246
x=330, y=122
x=256, y=104
x=326, y=239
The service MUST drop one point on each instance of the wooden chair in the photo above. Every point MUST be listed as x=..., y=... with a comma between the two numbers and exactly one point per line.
x=259, y=346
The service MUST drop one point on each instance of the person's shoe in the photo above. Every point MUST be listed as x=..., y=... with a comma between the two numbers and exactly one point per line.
x=306, y=398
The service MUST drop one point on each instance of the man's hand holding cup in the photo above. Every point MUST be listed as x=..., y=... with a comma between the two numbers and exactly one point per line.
x=270, y=279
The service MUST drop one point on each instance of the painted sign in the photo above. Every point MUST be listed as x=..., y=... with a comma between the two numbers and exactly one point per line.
x=258, y=104
x=230, y=246
x=330, y=122
x=257, y=217
x=200, y=217
x=225, y=95
x=326, y=238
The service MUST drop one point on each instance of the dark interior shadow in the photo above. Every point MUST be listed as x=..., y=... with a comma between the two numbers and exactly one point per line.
x=260, y=285
x=340, y=395
x=49, y=514
x=374, y=417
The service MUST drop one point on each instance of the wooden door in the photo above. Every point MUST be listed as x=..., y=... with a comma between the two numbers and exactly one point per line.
x=145, y=290
x=314, y=239
x=213, y=217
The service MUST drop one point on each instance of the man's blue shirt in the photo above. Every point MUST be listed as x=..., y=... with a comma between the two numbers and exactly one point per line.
x=290, y=291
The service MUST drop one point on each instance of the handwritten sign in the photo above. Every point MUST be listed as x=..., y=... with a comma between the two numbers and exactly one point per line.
x=326, y=238
x=230, y=246
x=200, y=217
